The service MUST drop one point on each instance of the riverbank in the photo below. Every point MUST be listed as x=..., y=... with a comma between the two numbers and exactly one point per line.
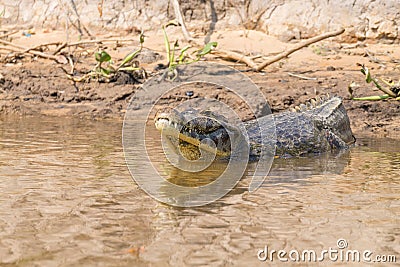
x=31, y=86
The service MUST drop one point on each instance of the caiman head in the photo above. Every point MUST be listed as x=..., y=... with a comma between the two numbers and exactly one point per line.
x=193, y=131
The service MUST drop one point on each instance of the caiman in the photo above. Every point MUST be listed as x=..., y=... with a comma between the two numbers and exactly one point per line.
x=317, y=126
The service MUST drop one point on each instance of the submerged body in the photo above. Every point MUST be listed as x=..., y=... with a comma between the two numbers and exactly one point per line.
x=317, y=126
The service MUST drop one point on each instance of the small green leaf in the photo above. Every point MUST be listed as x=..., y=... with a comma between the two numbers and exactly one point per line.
x=102, y=56
x=97, y=56
x=105, y=72
x=129, y=68
x=172, y=54
x=129, y=57
x=182, y=54
x=176, y=44
x=141, y=37
x=368, y=78
x=132, y=55
x=207, y=49
x=371, y=98
x=167, y=45
x=171, y=22
x=367, y=74
x=388, y=83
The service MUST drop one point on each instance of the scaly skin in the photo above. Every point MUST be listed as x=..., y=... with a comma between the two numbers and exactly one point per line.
x=315, y=127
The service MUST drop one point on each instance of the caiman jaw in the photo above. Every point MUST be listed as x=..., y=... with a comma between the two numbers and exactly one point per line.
x=172, y=125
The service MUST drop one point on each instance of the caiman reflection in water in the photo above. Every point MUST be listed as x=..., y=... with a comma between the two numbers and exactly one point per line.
x=289, y=171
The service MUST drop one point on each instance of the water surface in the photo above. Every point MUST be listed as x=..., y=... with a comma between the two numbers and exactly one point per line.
x=67, y=198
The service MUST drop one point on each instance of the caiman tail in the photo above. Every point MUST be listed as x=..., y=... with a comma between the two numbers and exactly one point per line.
x=330, y=114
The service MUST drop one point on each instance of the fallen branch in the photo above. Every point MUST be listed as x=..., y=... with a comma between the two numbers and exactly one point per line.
x=258, y=67
x=40, y=46
x=60, y=46
x=236, y=56
x=11, y=44
x=64, y=45
x=7, y=48
x=298, y=47
x=23, y=50
x=8, y=34
x=101, y=41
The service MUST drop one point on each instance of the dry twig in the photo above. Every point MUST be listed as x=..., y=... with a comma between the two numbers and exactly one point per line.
x=236, y=56
x=181, y=21
x=101, y=41
x=23, y=50
x=301, y=76
x=11, y=44
x=8, y=34
x=258, y=67
x=60, y=46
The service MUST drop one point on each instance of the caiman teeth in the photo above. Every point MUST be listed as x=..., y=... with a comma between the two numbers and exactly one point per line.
x=162, y=120
x=161, y=123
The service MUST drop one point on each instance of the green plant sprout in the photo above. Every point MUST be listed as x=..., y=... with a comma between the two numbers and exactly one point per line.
x=2, y=13
x=183, y=56
x=106, y=73
x=392, y=91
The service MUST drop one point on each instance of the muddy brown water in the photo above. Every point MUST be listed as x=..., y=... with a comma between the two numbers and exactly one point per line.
x=68, y=199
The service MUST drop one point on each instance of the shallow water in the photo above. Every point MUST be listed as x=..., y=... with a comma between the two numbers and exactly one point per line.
x=68, y=199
